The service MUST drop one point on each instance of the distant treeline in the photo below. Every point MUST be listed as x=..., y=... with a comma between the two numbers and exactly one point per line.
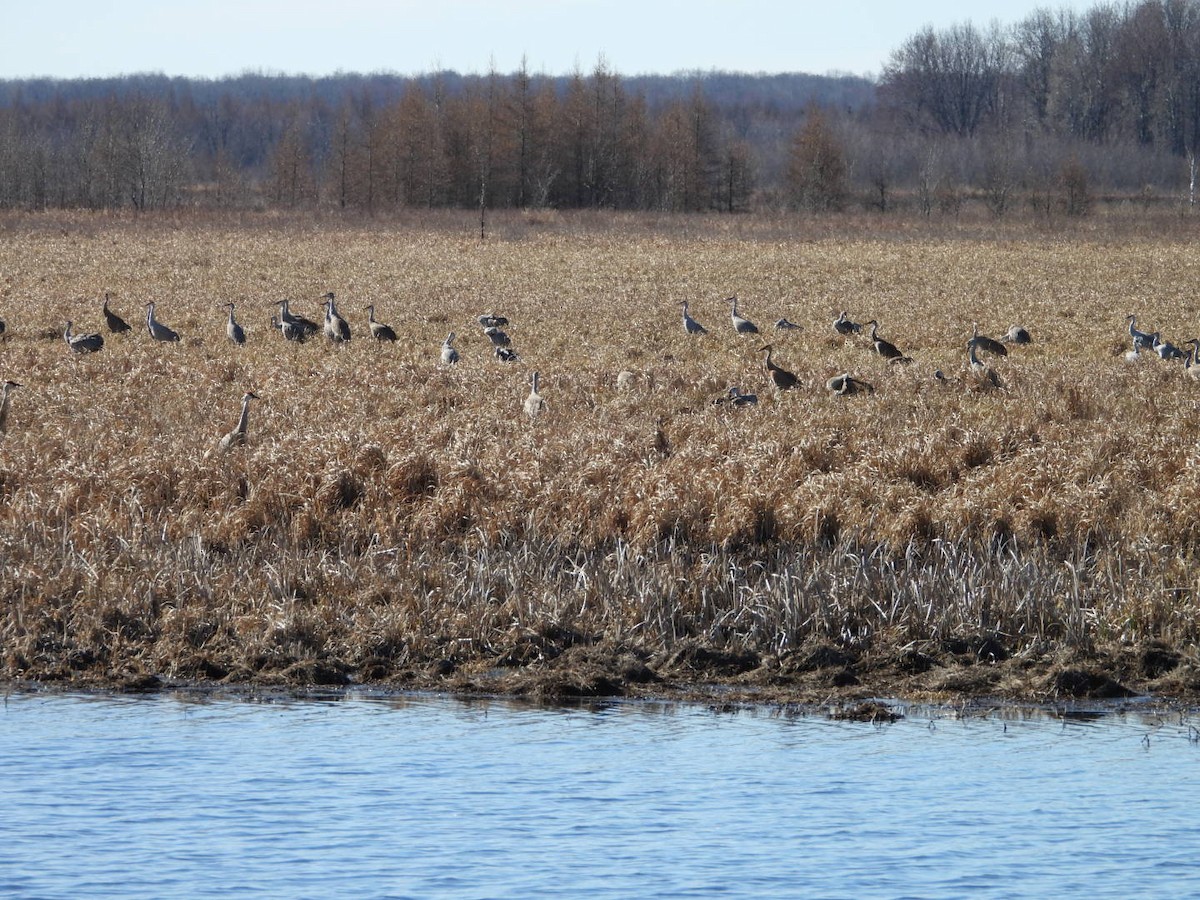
x=1052, y=111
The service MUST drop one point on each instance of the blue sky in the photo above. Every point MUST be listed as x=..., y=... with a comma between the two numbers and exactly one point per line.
x=213, y=38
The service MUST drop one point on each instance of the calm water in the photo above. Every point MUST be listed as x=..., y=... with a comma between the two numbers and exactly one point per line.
x=430, y=797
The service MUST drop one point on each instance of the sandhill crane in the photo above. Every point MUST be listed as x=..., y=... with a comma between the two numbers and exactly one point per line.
x=886, y=349
x=985, y=343
x=534, y=403
x=8, y=386
x=846, y=385
x=506, y=354
x=735, y=397
x=237, y=437
x=337, y=329
x=1017, y=334
x=1191, y=363
x=157, y=329
x=842, y=325
x=984, y=374
x=449, y=354
x=287, y=317
x=83, y=343
x=496, y=336
x=1142, y=340
x=235, y=332
x=741, y=324
x=491, y=320
x=115, y=323
x=782, y=378
x=785, y=325
x=691, y=325
x=379, y=331
x=1165, y=349
x=289, y=330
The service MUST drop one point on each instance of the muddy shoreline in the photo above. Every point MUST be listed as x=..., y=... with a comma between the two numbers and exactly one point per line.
x=963, y=673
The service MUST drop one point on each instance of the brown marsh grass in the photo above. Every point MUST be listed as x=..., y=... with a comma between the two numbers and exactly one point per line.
x=394, y=520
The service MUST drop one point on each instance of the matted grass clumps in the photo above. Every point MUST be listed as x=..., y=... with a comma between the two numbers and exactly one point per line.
x=395, y=520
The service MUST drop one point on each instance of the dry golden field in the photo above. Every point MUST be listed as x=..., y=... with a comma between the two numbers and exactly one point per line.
x=393, y=520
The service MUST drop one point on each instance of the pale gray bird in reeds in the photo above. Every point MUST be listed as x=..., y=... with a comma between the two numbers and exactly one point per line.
x=303, y=325
x=83, y=343
x=534, y=404
x=785, y=325
x=780, y=377
x=1191, y=365
x=690, y=325
x=846, y=385
x=1142, y=340
x=337, y=329
x=1017, y=334
x=157, y=329
x=984, y=374
x=884, y=348
x=843, y=326
x=491, y=320
x=8, y=386
x=741, y=324
x=449, y=354
x=987, y=344
x=1165, y=349
x=379, y=331
x=289, y=330
x=233, y=330
x=237, y=437
x=115, y=323
x=496, y=336
x=735, y=397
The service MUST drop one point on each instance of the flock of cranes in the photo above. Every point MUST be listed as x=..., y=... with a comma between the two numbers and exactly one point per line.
x=336, y=329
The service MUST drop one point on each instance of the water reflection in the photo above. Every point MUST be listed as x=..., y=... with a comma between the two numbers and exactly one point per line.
x=417, y=796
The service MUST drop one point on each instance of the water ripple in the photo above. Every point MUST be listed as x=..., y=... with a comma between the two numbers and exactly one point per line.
x=419, y=797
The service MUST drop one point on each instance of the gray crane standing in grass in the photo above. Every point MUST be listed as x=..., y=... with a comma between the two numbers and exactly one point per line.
x=985, y=343
x=780, y=377
x=379, y=331
x=534, y=404
x=289, y=330
x=886, y=349
x=843, y=326
x=1017, y=334
x=1142, y=340
x=337, y=329
x=985, y=374
x=83, y=343
x=496, y=336
x=1165, y=349
x=1191, y=364
x=115, y=323
x=846, y=385
x=690, y=325
x=157, y=329
x=237, y=437
x=741, y=324
x=735, y=397
x=449, y=354
x=233, y=330
x=299, y=324
x=8, y=386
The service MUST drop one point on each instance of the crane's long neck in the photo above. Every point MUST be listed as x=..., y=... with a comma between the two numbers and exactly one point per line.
x=4, y=409
x=244, y=419
x=874, y=331
x=971, y=354
x=535, y=382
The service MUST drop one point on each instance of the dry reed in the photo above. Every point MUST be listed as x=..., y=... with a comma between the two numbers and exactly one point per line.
x=394, y=519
